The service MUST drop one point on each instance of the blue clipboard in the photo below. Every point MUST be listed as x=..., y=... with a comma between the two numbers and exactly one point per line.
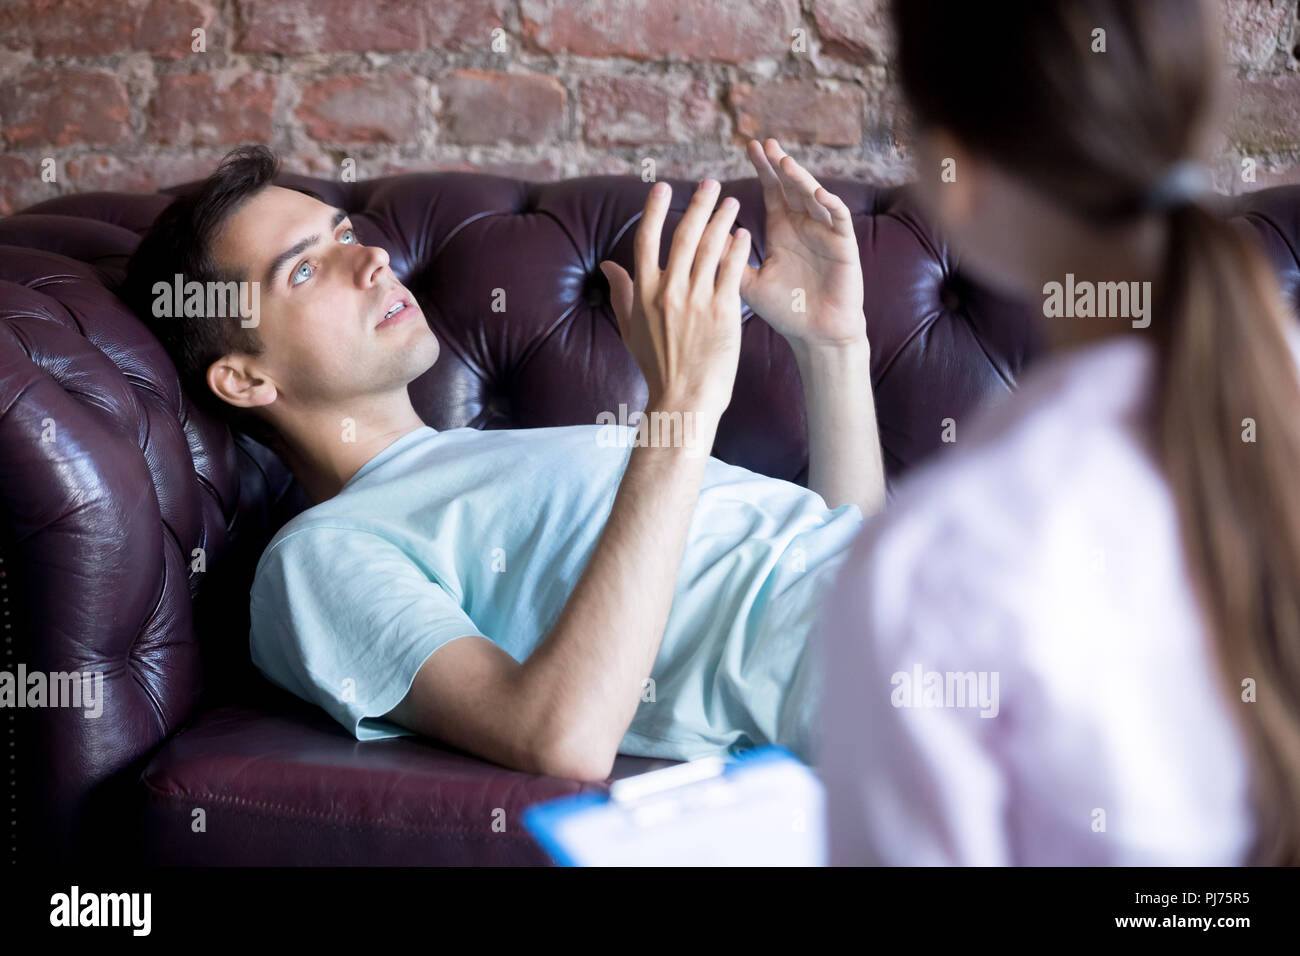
x=761, y=807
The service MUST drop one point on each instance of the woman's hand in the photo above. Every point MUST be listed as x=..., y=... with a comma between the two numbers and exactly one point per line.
x=812, y=257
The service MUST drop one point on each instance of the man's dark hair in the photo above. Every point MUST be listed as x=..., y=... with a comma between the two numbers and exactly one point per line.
x=180, y=242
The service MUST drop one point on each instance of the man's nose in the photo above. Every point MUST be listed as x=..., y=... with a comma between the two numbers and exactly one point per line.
x=372, y=265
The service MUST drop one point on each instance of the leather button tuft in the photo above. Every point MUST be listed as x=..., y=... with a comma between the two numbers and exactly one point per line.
x=949, y=297
x=595, y=289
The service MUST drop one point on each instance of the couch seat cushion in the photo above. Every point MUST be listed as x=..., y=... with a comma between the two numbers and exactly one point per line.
x=288, y=786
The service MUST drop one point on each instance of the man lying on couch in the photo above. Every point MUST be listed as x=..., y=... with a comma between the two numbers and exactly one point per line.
x=585, y=597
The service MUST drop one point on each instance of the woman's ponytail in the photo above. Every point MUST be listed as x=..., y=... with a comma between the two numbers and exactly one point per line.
x=1227, y=428
x=1111, y=134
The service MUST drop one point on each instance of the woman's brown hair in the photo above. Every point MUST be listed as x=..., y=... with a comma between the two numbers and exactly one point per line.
x=1023, y=85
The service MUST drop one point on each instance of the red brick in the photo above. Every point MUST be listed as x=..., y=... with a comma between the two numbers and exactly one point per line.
x=194, y=110
x=73, y=27
x=463, y=25
x=316, y=164
x=138, y=173
x=631, y=110
x=1252, y=29
x=799, y=111
x=1264, y=115
x=15, y=28
x=62, y=107
x=327, y=26
x=165, y=29
x=21, y=184
x=856, y=30
x=730, y=31
x=379, y=108
x=485, y=108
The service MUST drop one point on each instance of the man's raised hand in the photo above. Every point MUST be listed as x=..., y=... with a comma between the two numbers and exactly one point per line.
x=810, y=285
x=682, y=323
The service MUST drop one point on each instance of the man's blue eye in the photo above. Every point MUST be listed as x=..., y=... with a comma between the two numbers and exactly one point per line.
x=348, y=238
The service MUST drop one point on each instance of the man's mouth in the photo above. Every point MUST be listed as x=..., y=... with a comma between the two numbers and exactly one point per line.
x=396, y=308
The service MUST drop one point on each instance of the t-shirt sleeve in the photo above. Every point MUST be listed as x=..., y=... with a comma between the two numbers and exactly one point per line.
x=344, y=619
x=911, y=707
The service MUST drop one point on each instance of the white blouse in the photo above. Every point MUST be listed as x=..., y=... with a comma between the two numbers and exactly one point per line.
x=1016, y=669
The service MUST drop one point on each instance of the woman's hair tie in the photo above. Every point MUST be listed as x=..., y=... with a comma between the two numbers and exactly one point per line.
x=1181, y=184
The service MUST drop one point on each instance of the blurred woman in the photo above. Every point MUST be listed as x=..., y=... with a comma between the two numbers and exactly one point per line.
x=1075, y=638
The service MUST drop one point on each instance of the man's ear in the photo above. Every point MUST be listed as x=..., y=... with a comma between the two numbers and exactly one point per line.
x=235, y=380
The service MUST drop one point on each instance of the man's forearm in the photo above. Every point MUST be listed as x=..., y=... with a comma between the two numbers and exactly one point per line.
x=845, y=461
x=587, y=674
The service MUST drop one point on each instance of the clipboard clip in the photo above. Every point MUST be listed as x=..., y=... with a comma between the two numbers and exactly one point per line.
x=662, y=795
x=633, y=790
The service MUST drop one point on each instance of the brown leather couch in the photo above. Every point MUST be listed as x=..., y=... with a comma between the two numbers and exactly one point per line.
x=111, y=479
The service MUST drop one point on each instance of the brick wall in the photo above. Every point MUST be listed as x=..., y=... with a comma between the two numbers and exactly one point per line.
x=114, y=94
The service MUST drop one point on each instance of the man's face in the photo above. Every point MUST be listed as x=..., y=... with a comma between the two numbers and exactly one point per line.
x=322, y=297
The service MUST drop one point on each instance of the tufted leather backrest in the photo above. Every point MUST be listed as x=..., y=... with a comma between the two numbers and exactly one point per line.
x=112, y=479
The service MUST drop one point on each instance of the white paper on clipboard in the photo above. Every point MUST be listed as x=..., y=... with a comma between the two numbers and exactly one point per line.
x=761, y=808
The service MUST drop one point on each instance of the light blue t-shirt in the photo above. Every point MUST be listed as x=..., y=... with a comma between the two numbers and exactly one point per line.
x=467, y=532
